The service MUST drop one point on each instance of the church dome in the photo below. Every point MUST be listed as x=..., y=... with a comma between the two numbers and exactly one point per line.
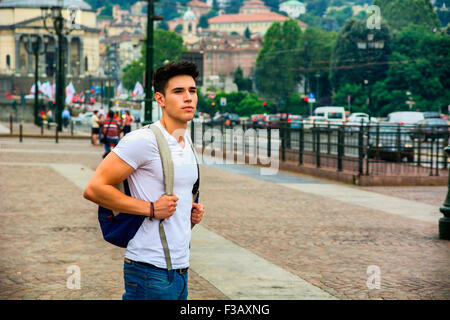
x=44, y=3
x=189, y=15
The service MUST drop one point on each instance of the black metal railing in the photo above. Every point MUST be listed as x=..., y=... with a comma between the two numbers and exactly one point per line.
x=367, y=149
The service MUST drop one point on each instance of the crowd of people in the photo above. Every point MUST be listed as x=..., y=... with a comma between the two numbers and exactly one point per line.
x=107, y=129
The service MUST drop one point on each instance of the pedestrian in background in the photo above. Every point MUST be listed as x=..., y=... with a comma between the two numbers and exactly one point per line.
x=127, y=121
x=95, y=128
x=111, y=131
x=65, y=117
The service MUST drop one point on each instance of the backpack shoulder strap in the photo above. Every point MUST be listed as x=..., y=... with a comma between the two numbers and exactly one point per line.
x=195, y=190
x=166, y=159
x=168, y=172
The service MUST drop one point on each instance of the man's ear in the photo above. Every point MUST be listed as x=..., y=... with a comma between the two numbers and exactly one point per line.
x=159, y=97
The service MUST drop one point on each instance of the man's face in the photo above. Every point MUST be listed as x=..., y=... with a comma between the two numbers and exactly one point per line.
x=180, y=100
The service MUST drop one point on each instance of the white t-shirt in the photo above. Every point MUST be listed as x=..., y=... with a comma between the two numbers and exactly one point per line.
x=140, y=150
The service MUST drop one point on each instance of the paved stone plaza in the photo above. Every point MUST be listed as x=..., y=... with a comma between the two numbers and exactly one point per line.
x=263, y=237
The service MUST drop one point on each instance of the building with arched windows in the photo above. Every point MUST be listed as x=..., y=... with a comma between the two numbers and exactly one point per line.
x=21, y=18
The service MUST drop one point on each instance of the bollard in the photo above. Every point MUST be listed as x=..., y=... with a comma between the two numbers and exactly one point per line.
x=20, y=131
x=444, y=222
x=10, y=123
x=56, y=133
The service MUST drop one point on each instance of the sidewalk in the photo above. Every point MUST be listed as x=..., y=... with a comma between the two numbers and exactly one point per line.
x=280, y=238
x=30, y=129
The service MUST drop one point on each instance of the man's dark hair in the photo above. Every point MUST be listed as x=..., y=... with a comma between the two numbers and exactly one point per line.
x=165, y=73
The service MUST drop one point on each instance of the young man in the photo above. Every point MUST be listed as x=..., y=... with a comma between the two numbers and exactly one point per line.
x=137, y=158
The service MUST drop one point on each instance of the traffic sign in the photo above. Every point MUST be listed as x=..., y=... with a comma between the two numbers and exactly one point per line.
x=223, y=101
x=311, y=98
x=212, y=95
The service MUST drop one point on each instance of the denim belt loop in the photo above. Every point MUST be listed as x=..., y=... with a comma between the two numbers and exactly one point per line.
x=171, y=275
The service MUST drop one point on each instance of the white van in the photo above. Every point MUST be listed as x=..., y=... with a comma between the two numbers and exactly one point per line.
x=334, y=115
x=405, y=117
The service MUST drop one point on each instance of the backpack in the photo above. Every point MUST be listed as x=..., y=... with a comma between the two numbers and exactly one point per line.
x=118, y=228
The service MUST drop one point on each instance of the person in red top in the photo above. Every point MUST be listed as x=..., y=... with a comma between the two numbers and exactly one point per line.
x=127, y=121
x=111, y=130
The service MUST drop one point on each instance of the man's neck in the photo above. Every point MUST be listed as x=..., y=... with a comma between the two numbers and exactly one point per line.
x=175, y=128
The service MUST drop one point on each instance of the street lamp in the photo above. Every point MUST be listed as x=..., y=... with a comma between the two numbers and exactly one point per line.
x=373, y=47
x=444, y=222
x=55, y=13
x=149, y=60
x=36, y=46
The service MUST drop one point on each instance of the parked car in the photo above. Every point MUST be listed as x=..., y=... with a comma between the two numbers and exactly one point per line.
x=273, y=121
x=226, y=119
x=334, y=115
x=258, y=120
x=386, y=145
x=295, y=121
x=431, y=115
x=314, y=120
x=405, y=117
x=358, y=117
x=430, y=129
x=83, y=119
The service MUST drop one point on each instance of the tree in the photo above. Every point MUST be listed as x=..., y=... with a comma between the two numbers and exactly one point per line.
x=170, y=46
x=314, y=60
x=401, y=13
x=276, y=66
x=243, y=84
x=317, y=7
x=419, y=64
x=133, y=73
x=350, y=64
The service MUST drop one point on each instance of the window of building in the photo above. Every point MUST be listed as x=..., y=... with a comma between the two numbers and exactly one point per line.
x=8, y=61
x=86, y=64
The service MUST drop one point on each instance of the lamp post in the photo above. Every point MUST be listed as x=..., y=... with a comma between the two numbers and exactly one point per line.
x=444, y=222
x=374, y=47
x=55, y=13
x=36, y=46
x=149, y=62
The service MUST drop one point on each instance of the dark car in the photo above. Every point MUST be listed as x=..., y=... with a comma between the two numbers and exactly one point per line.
x=233, y=117
x=431, y=129
x=391, y=143
x=226, y=119
x=258, y=120
x=273, y=121
x=295, y=121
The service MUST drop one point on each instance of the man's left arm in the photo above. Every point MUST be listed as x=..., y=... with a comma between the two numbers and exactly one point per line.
x=197, y=213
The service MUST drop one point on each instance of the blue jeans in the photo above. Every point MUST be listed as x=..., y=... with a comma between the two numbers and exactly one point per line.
x=110, y=142
x=146, y=283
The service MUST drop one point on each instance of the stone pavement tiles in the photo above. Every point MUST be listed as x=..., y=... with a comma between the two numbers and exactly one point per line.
x=327, y=242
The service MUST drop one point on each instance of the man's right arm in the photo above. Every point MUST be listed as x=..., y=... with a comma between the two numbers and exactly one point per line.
x=101, y=190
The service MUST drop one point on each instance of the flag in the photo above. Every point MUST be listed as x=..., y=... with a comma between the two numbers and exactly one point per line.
x=33, y=88
x=119, y=89
x=46, y=89
x=70, y=92
x=138, y=90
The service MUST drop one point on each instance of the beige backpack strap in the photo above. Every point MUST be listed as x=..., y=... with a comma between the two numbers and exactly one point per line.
x=168, y=172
